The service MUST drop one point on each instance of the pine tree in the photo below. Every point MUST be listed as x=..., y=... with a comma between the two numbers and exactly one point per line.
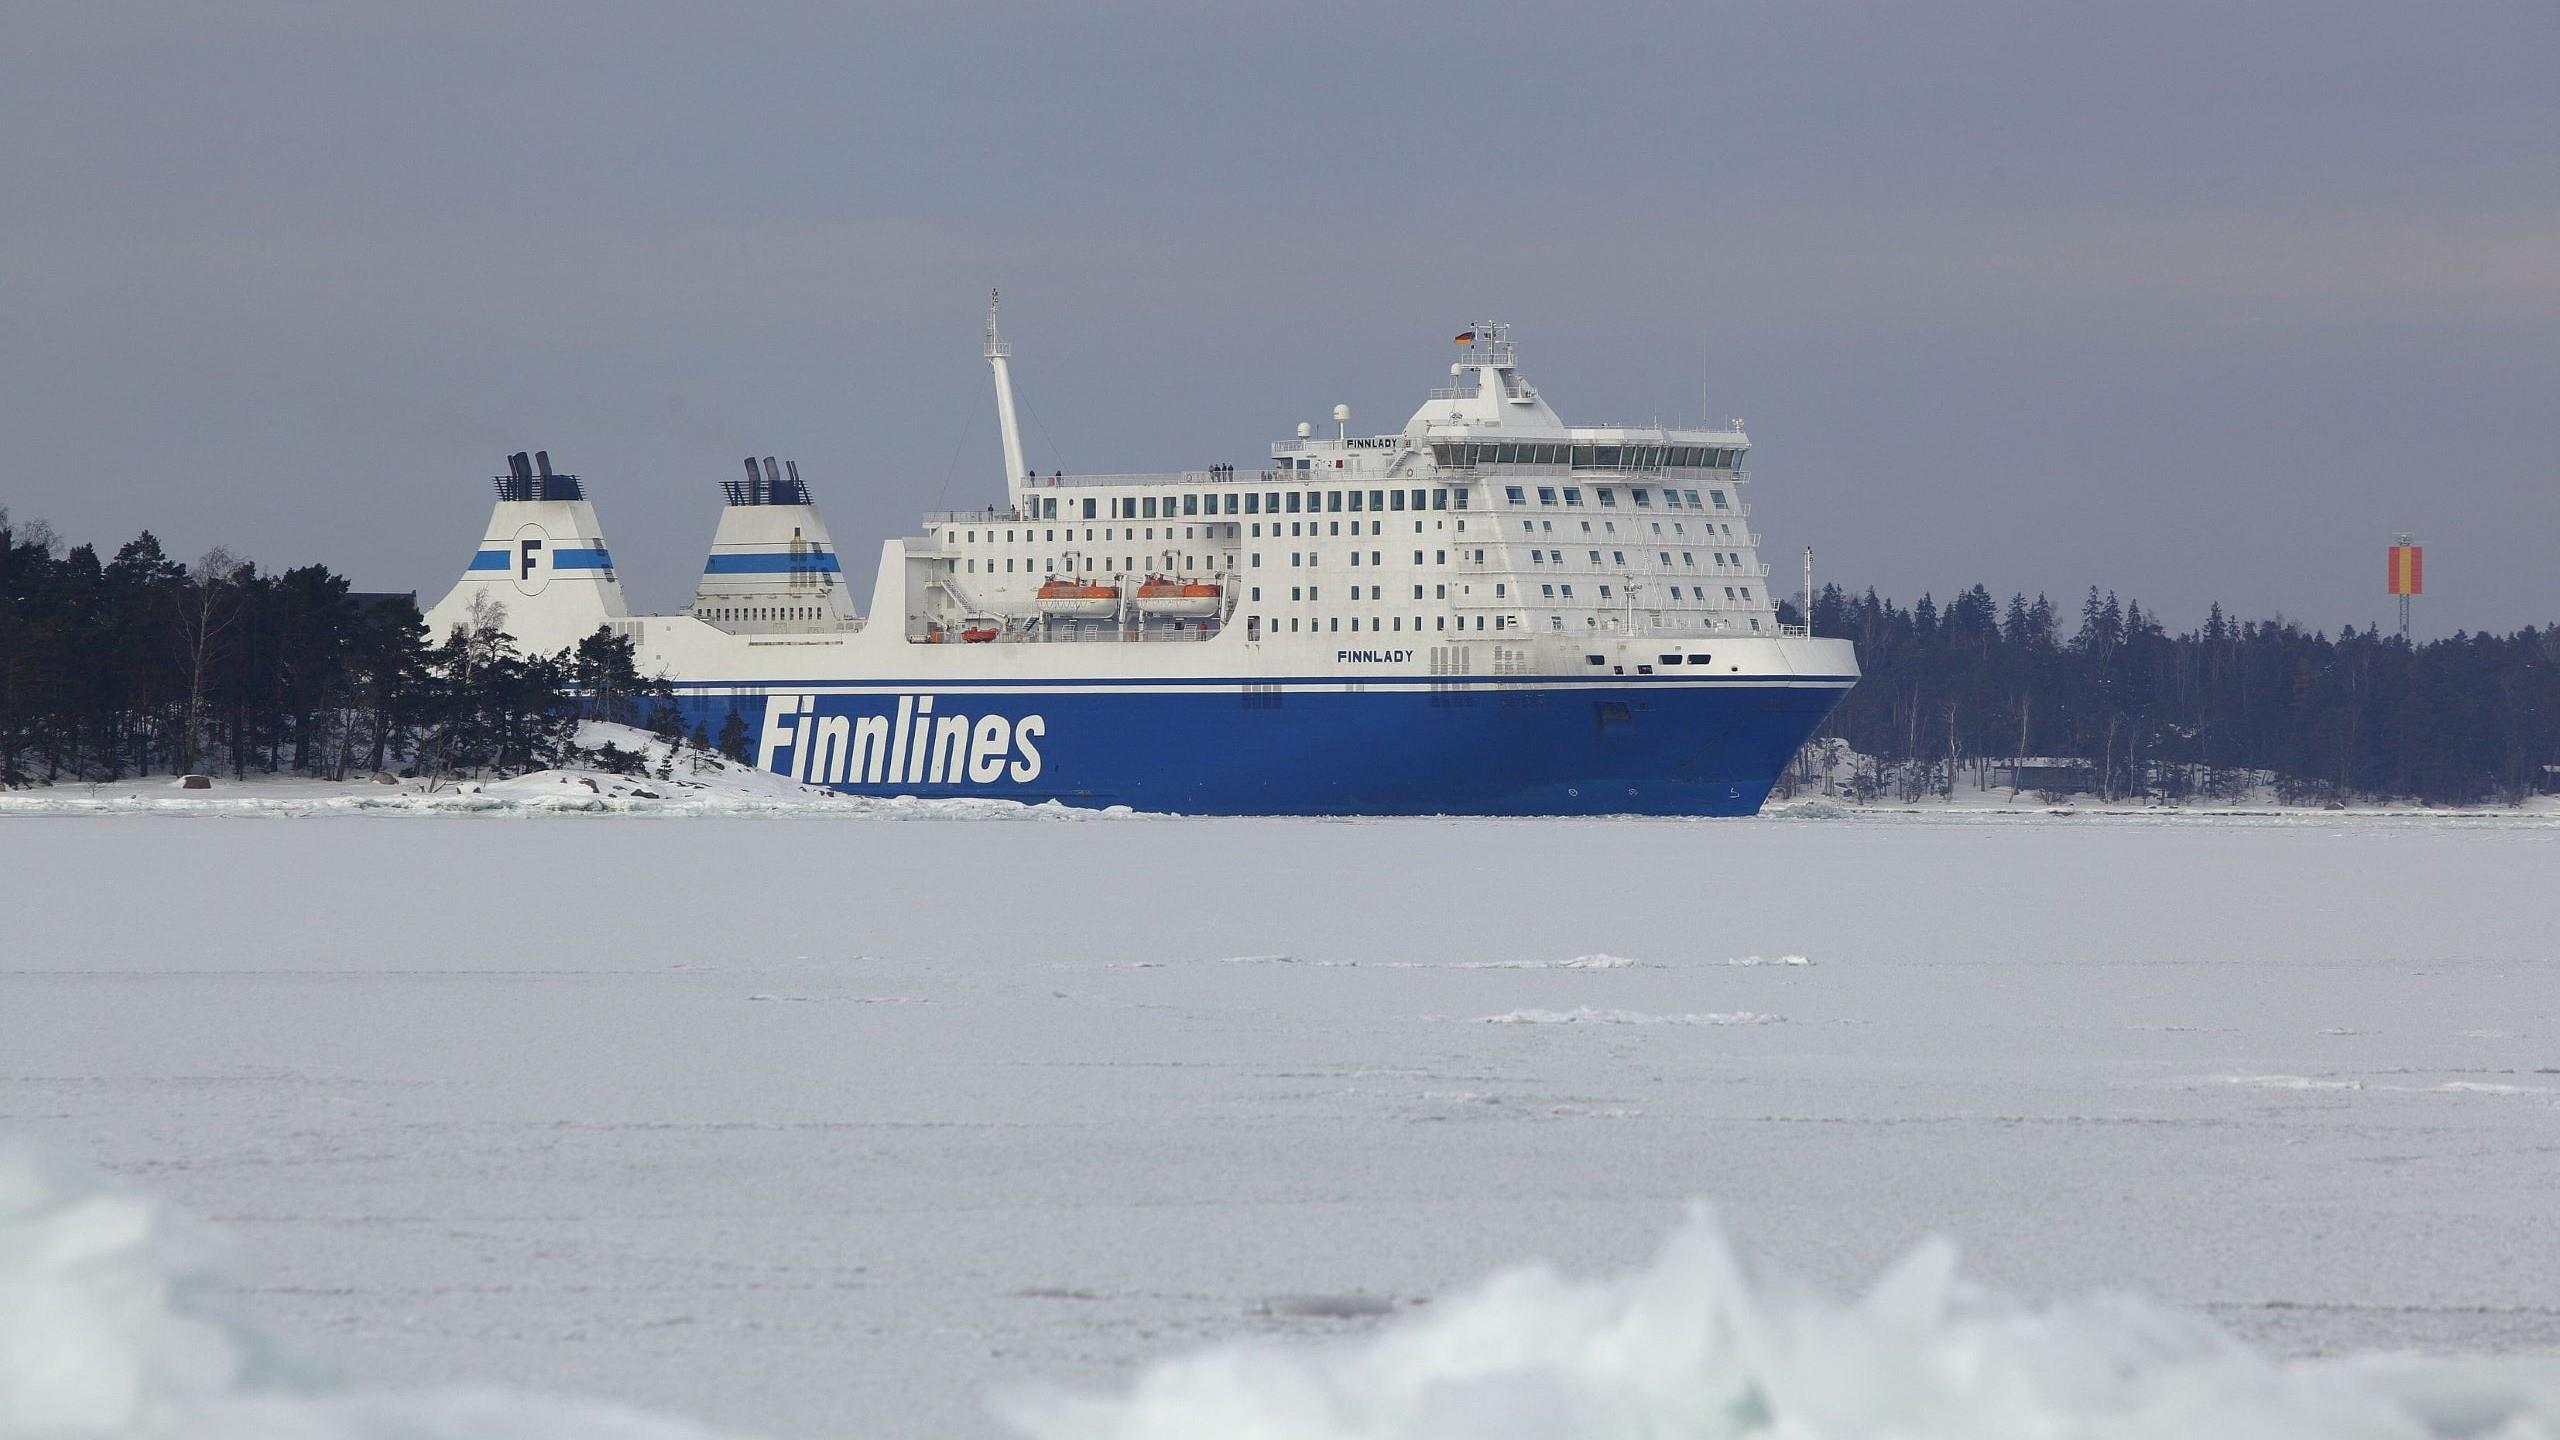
x=734, y=738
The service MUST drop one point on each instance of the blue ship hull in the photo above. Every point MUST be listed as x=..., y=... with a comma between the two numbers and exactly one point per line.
x=1530, y=747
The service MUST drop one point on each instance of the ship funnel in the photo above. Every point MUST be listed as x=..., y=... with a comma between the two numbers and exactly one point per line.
x=542, y=559
x=772, y=567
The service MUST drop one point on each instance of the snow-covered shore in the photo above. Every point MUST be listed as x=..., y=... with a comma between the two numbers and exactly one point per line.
x=680, y=781
x=670, y=780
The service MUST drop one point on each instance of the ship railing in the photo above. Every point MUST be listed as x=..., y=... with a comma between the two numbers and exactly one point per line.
x=1220, y=475
x=1088, y=633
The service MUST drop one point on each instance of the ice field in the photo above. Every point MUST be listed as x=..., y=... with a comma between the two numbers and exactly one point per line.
x=919, y=1127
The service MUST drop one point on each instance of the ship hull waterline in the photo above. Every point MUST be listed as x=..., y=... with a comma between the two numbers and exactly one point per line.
x=1675, y=748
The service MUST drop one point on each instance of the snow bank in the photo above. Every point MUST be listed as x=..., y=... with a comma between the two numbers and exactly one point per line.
x=693, y=782
x=108, y=1328
x=1699, y=1346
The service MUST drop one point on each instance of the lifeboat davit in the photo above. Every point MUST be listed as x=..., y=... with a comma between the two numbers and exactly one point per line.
x=1162, y=596
x=1078, y=599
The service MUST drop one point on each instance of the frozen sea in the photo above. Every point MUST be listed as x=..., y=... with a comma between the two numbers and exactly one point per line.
x=839, y=1127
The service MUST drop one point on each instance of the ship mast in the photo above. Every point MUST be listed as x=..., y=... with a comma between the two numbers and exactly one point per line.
x=999, y=359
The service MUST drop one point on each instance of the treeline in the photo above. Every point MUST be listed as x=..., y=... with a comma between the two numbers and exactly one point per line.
x=2226, y=709
x=139, y=665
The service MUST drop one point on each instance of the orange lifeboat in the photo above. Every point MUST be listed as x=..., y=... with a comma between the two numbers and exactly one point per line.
x=1078, y=599
x=978, y=634
x=1161, y=595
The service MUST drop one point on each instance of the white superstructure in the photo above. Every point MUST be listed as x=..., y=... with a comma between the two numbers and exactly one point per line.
x=1486, y=514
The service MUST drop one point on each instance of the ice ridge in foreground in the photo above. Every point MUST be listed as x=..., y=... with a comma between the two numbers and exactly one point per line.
x=1699, y=1346
x=110, y=1327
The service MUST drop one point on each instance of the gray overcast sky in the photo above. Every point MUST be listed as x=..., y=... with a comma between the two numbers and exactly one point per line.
x=2192, y=301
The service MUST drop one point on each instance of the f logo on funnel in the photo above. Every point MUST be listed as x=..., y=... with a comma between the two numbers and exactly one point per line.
x=532, y=559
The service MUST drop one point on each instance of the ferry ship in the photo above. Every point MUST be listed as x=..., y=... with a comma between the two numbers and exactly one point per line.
x=1486, y=611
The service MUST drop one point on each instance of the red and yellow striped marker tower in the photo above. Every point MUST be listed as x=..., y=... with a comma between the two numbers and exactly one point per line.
x=2408, y=576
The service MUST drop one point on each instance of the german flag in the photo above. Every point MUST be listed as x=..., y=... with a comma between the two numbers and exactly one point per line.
x=2408, y=570
x=1466, y=337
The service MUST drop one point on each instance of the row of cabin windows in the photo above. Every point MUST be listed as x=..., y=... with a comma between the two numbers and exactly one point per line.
x=1619, y=558
x=972, y=537
x=1332, y=624
x=1563, y=590
x=1465, y=455
x=1610, y=527
x=1249, y=502
x=1334, y=527
x=1254, y=596
x=1315, y=558
x=1592, y=622
x=1608, y=496
x=1262, y=502
x=752, y=613
x=1102, y=564
x=1042, y=565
